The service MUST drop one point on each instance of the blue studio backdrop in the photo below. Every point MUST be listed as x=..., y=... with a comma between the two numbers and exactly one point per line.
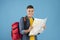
x=12, y=10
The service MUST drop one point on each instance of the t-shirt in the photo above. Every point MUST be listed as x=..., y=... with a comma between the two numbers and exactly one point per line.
x=32, y=37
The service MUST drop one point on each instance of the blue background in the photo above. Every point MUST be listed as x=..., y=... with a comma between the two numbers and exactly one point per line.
x=12, y=10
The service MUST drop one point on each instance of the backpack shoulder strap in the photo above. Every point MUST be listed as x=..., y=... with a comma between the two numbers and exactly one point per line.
x=24, y=18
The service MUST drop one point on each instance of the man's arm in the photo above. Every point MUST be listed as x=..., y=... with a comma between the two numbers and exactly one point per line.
x=21, y=27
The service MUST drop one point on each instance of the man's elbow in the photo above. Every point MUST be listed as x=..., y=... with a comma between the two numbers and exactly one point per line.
x=22, y=32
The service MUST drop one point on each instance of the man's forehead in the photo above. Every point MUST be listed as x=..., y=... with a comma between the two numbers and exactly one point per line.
x=30, y=9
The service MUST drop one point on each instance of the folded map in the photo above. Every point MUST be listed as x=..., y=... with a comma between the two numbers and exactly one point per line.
x=37, y=26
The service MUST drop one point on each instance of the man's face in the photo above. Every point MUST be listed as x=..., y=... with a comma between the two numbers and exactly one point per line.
x=30, y=12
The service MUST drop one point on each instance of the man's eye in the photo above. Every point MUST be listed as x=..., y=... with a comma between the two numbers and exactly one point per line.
x=32, y=11
x=29, y=11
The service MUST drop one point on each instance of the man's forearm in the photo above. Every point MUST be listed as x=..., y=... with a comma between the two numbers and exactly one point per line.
x=26, y=31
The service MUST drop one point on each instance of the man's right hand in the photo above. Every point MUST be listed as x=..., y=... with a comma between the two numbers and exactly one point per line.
x=30, y=28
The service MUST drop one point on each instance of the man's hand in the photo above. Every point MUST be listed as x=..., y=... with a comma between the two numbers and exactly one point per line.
x=44, y=26
x=30, y=28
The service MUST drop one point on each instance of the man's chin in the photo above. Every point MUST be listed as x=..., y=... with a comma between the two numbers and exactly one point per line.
x=29, y=16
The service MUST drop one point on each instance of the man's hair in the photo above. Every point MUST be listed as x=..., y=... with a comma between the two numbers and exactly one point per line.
x=30, y=6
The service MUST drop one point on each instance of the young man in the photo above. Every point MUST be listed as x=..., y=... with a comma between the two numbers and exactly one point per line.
x=26, y=26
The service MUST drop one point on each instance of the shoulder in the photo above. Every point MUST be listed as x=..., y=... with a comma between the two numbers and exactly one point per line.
x=21, y=18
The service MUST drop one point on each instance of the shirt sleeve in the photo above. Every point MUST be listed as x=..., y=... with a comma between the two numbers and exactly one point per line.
x=21, y=26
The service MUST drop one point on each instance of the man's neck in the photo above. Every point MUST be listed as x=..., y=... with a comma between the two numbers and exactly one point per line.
x=29, y=17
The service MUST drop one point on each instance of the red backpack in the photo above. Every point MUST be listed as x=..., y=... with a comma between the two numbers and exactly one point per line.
x=15, y=33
